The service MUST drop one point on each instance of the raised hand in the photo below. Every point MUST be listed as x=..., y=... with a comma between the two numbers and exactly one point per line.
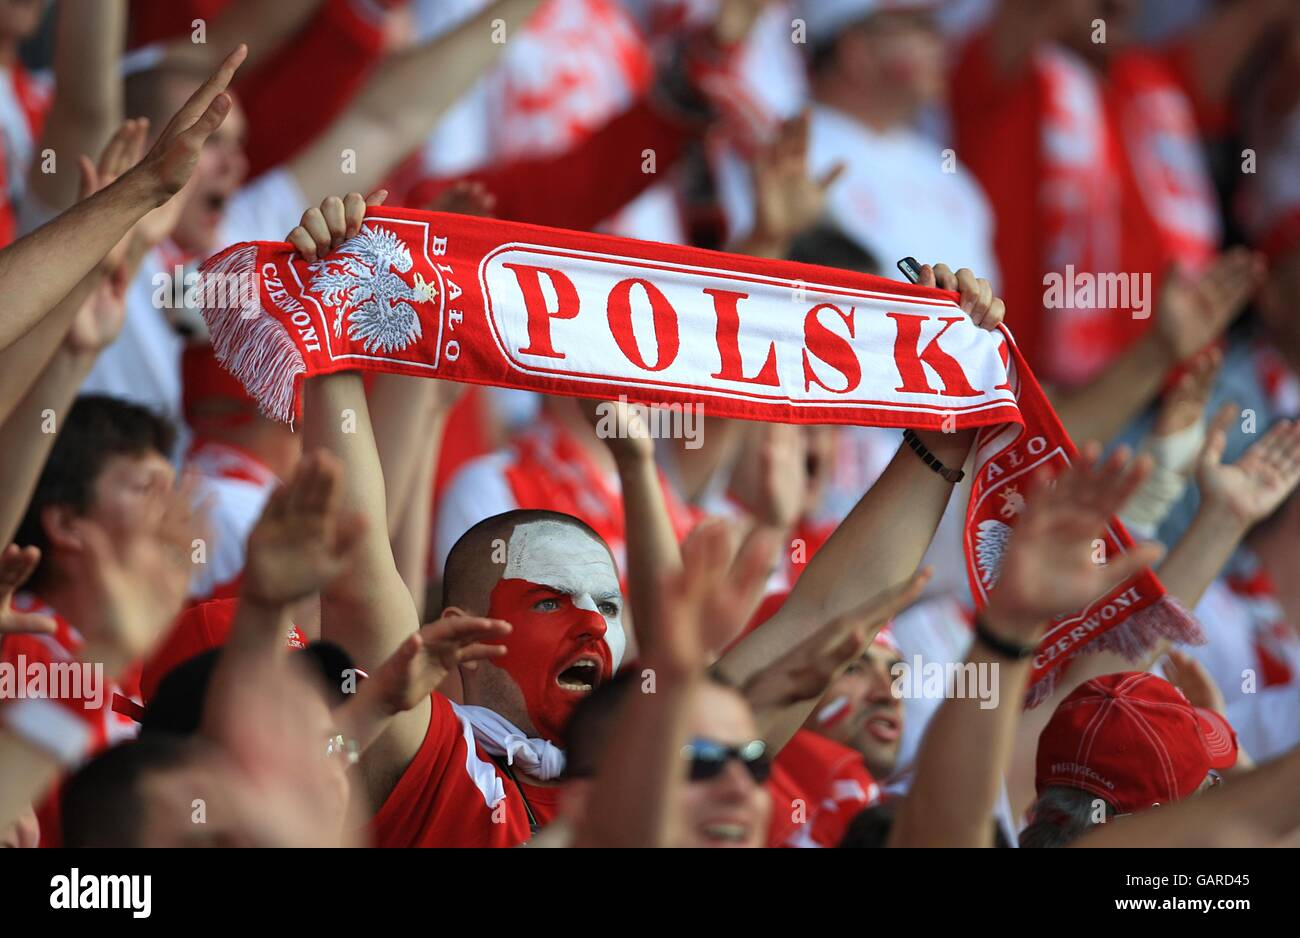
x=1189, y=676
x=99, y=321
x=421, y=662
x=170, y=163
x=140, y=585
x=465, y=197
x=1184, y=404
x=732, y=600
x=786, y=199
x=16, y=565
x=302, y=541
x=1194, y=310
x=621, y=426
x=771, y=475
x=677, y=642
x=101, y=316
x=1256, y=484
x=123, y=150
x=324, y=228
x=977, y=300
x=811, y=666
x=1051, y=565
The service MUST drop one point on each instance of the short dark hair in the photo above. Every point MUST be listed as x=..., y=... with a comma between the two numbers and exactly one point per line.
x=827, y=244
x=464, y=560
x=145, y=91
x=176, y=708
x=102, y=805
x=96, y=429
x=589, y=727
x=871, y=826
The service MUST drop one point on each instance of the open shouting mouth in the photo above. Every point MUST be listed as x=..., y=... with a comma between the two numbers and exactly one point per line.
x=581, y=676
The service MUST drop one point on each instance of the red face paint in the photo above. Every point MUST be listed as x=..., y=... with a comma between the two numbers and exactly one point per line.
x=550, y=635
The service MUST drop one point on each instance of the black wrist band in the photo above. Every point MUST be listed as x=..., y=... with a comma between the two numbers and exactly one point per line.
x=952, y=475
x=1000, y=646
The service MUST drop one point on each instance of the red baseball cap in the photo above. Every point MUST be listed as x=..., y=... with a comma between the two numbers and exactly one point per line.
x=1133, y=740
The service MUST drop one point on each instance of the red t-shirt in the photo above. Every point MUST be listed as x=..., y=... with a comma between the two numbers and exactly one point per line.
x=453, y=794
x=832, y=783
x=24, y=104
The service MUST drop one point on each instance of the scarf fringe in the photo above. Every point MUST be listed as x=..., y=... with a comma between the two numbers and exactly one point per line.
x=248, y=341
x=1164, y=619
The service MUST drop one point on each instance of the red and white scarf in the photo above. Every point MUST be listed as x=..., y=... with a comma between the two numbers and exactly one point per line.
x=519, y=306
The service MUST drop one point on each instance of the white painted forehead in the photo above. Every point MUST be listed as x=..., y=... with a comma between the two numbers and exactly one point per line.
x=561, y=556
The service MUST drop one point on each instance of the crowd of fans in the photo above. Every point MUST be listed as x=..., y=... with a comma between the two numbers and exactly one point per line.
x=432, y=615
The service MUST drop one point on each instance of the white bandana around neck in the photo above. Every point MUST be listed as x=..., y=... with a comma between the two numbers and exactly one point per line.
x=539, y=758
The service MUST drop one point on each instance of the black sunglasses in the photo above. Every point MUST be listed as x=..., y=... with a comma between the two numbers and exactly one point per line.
x=708, y=759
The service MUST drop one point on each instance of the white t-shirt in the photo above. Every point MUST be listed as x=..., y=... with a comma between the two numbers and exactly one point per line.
x=894, y=198
x=1268, y=722
x=144, y=364
x=935, y=630
x=235, y=486
x=1230, y=621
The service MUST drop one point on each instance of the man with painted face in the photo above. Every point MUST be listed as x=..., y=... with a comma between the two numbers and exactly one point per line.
x=860, y=711
x=544, y=587
x=559, y=589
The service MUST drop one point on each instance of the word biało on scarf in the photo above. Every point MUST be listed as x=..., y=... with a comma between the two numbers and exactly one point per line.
x=561, y=312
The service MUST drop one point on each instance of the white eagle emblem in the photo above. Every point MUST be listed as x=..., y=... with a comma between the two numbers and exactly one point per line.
x=990, y=542
x=360, y=279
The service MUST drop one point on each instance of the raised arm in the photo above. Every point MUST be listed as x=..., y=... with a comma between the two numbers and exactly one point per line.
x=881, y=543
x=28, y=356
x=1048, y=569
x=1234, y=498
x=403, y=100
x=1191, y=313
x=635, y=790
x=784, y=694
x=88, y=40
x=370, y=612
x=652, y=550
x=37, y=271
x=25, y=437
x=261, y=26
